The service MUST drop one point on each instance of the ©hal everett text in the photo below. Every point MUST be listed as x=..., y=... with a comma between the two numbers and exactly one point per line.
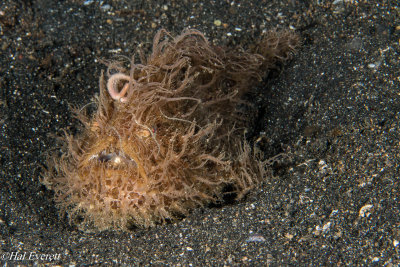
x=30, y=256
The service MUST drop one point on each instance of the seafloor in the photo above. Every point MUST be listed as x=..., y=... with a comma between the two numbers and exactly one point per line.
x=335, y=108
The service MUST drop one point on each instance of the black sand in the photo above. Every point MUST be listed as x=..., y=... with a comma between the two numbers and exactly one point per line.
x=335, y=108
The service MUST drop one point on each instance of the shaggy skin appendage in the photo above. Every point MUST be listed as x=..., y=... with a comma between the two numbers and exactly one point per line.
x=167, y=135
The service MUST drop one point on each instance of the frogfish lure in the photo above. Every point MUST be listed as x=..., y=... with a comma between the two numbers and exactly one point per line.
x=168, y=133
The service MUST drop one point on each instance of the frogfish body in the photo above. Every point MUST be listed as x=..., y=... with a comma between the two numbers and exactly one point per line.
x=167, y=135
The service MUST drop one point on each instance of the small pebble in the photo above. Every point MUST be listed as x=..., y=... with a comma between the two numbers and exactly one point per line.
x=217, y=22
x=255, y=238
x=375, y=259
x=105, y=7
x=364, y=211
x=88, y=2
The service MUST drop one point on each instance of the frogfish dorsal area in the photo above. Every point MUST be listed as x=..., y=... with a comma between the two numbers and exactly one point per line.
x=167, y=135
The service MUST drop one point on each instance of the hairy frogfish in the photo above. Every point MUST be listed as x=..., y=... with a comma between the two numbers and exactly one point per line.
x=167, y=135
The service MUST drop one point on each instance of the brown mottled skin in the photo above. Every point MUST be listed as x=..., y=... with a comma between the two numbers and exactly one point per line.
x=167, y=136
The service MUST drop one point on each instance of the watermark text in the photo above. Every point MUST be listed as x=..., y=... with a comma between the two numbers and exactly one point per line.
x=29, y=256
